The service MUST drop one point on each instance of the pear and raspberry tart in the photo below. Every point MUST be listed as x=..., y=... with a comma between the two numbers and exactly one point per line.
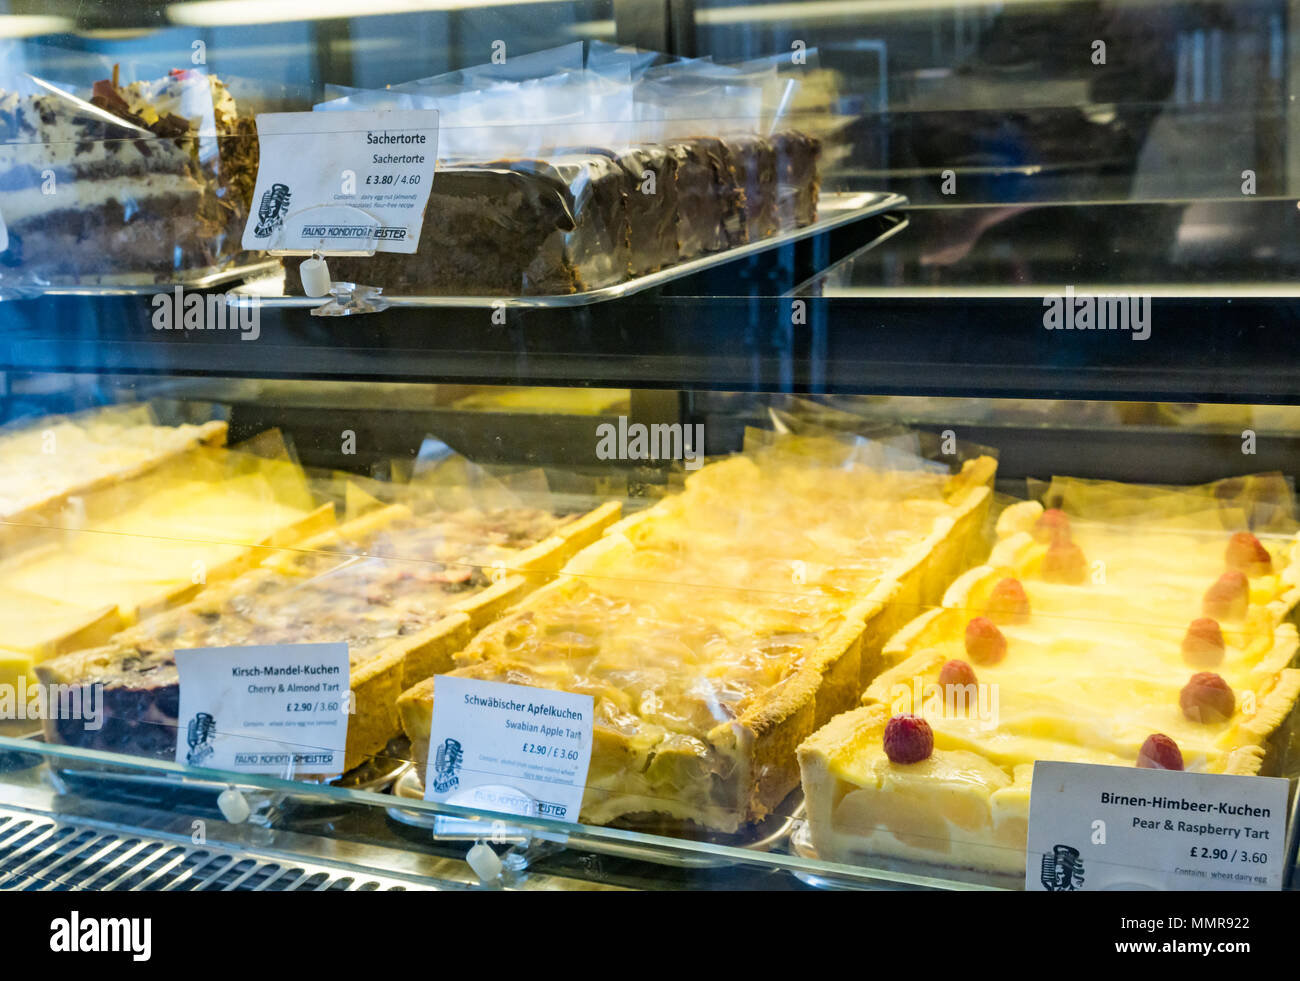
x=1028, y=660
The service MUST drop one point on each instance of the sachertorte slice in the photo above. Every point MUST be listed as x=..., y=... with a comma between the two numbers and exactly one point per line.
x=798, y=178
x=508, y=228
x=652, y=206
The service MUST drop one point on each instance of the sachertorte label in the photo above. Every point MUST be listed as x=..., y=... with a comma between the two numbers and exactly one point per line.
x=351, y=182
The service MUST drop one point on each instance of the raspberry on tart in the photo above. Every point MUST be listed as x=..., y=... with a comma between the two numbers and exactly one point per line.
x=908, y=739
x=1159, y=752
x=956, y=672
x=1203, y=646
x=1228, y=598
x=1247, y=554
x=1008, y=602
x=985, y=643
x=1051, y=527
x=1207, y=698
x=1065, y=563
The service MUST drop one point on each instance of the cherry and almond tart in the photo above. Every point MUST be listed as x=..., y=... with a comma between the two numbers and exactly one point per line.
x=404, y=589
x=1162, y=654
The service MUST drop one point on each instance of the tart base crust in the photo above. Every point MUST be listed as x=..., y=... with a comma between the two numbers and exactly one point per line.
x=377, y=682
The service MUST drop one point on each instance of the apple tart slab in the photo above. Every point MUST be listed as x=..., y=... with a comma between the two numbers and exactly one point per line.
x=719, y=628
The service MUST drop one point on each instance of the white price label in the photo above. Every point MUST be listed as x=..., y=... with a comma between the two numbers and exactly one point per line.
x=278, y=709
x=342, y=181
x=509, y=748
x=1111, y=827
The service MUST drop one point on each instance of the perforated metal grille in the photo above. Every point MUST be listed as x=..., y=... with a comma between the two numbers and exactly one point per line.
x=38, y=853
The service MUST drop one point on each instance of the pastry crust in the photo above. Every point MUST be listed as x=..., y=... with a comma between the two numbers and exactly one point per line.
x=739, y=769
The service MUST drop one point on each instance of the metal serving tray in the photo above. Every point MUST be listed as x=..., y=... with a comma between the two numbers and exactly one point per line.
x=375, y=775
x=834, y=210
x=128, y=285
x=765, y=836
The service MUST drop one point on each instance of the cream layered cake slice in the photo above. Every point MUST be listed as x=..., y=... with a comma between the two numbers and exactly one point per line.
x=133, y=185
x=1142, y=641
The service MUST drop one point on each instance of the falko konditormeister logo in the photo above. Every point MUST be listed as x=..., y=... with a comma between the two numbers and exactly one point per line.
x=201, y=733
x=1062, y=869
x=271, y=210
x=446, y=764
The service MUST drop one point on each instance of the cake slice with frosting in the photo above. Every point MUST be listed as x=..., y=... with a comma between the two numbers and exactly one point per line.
x=135, y=184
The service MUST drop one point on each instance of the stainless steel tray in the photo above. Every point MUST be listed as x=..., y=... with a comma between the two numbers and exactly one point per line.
x=127, y=285
x=374, y=776
x=765, y=836
x=901, y=875
x=833, y=210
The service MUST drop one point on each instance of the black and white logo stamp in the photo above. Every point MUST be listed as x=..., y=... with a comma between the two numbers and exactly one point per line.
x=1062, y=870
x=446, y=764
x=202, y=731
x=271, y=210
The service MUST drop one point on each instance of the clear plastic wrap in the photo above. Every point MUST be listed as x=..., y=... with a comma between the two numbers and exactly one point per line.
x=568, y=173
x=1089, y=629
x=47, y=463
x=138, y=542
x=399, y=572
x=719, y=627
x=125, y=185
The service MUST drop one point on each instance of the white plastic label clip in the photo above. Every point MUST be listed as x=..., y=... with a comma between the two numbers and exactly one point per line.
x=315, y=274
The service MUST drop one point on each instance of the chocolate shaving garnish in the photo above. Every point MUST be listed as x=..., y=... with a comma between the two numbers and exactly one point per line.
x=171, y=125
x=105, y=95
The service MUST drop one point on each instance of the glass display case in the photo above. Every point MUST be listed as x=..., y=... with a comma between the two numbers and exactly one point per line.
x=627, y=445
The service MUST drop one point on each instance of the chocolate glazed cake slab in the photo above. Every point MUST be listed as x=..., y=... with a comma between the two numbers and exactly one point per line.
x=835, y=211
x=580, y=219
